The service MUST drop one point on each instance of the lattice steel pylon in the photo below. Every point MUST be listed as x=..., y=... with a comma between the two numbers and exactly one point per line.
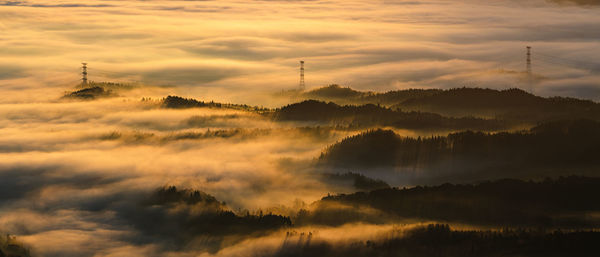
x=301, y=86
x=529, y=72
x=84, y=80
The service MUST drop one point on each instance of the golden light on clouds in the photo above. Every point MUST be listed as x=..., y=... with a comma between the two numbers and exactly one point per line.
x=82, y=176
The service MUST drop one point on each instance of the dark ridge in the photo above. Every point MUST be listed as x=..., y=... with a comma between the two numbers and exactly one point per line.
x=375, y=115
x=358, y=181
x=178, y=215
x=569, y=144
x=511, y=104
x=478, y=98
x=111, y=85
x=551, y=203
x=347, y=95
x=171, y=195
x=89, y=93
x=177, y=102
x=334, y=91
x=441, y=240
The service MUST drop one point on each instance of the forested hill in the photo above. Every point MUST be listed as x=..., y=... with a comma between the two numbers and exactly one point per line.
x=568, y=144
x=175, y=215
x=561, y=202
x=346, y=95
x=177, y=102
x=510, y=104
x=375, y=115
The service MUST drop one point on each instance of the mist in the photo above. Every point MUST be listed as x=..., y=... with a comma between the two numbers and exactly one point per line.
x=96, y=162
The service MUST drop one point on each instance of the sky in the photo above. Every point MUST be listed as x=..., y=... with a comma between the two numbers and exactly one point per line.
x=226, y=49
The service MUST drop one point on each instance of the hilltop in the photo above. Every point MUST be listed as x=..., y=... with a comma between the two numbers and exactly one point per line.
x=369, y=115
x=561, y=202
x=95, y=90
x=552, y=148
x=510, y=104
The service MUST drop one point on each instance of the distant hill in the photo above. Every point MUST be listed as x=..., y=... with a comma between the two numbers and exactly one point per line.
x=511, y=104
x=566, y=145
x=443, y=240
x=358, y=181
x=346, y=95
x=95, y=90
x=177, y=102
x=369, y=115
x=335, y=92
x=562, y=202
x=90, y=93
x=176, y=215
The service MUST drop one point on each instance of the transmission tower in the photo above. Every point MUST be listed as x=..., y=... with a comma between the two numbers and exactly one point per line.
x=529, y=60
x=301, y=86
x=529, y=72
x=84, y=73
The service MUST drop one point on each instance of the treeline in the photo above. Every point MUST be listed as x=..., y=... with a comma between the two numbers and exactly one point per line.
x=89, y=93
x=178, y=215
x=94, y=90
x=375, y=115
x=573, y=145
x=346, y=95
x=563, y=202
x=513, y=105
x=140, y=137
x=177, y=102
x=437, y=240
x=358, y=181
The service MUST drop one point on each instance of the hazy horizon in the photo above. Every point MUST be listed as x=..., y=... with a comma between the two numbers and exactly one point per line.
x=226, y=48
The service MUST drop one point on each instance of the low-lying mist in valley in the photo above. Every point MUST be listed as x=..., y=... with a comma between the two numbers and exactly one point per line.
x=154, y=176
x=67, y=166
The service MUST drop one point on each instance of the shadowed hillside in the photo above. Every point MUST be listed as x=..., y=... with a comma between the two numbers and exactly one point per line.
x=513, y=104
x=358, y=181
x=441, y=240
x=90, y=93
x=374, y=115
x=571, y=145
x=95, y=90
x=178, y=215
x=564, y=202
x=346, y=95
x=177, y=102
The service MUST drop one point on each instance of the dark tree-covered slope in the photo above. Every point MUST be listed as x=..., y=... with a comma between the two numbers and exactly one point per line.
x=514, y=105
x=562, y=202
x=346, y=95
x=176, y=215
x=374, y=115
x=90, y=93
x=510, y=104
x=440, y=240
x=177, y=102
x=565, y=144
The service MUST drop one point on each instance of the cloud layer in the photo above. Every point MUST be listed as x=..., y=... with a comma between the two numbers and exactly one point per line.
x=68, y=168
x=255, y=46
